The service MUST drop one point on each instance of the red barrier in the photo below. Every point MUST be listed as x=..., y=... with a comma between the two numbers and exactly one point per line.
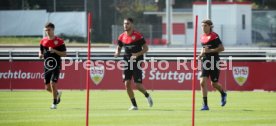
x=244, y=76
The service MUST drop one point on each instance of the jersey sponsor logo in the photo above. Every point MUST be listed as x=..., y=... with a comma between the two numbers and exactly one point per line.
x=55, y=42
x=207, y=46
x=133, y=37
x=215, y=79
x=129, y=46
x=208, y=38
x=97, y=74
x=240, y=74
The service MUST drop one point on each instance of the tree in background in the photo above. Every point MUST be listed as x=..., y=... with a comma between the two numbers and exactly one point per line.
x=134, y=9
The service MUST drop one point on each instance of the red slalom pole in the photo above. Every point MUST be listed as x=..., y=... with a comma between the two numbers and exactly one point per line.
x=88, y=66
x=194, y=70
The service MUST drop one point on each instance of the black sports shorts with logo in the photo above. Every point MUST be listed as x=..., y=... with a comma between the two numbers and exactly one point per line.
x=134, y=72
x=209, y=72
x=51, y=75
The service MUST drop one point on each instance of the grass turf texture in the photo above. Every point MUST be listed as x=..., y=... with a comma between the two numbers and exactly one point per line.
x=110, y=108
x=19, y=40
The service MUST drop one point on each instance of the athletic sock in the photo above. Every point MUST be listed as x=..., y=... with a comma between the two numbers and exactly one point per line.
x=222, y=93
x=205, y=103
x=55, y=101
x=133, y=101
x=146, y=94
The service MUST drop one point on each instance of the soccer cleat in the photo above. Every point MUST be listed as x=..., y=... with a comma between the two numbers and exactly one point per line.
x=54, y=106
x=204, y=108
x=59, y=97
x=133, y=108
x=223, y=99
x=149, y=99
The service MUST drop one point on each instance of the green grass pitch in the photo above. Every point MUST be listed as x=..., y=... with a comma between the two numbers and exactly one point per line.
x=110, y=108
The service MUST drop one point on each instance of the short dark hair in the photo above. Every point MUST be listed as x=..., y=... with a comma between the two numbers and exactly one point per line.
x=208, y=22
x=49, y=24
x=129, y=19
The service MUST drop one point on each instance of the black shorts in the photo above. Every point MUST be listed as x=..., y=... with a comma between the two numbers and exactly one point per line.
x=212, y=72
x=134, y=72
x=51, y=75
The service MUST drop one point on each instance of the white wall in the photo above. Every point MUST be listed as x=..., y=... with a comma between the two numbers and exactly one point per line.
x=22, y=23
x=31, y=22
x=227, y=19
x=69, y=23
x=244, y=35
x=180, y=39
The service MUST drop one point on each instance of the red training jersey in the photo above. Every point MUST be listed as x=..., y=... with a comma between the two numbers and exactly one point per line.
x=132, y=43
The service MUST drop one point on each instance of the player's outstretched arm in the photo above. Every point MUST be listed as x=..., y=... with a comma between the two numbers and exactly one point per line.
x=201, y=54
x=40, y=55
x=142, y=52
x=219, y=49
x=117, y=51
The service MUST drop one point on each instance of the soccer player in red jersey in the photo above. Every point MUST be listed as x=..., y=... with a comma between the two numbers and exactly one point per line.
x=135, y=46
x=52, y=48
x=209, y=55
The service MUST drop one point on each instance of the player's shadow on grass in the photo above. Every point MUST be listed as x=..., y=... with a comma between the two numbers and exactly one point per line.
x=78, y=108
x=140, y=109
x=232, y=110
x=247, y=110
x=165, y=110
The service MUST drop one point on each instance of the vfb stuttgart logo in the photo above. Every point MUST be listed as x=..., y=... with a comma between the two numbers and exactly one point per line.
x=97, y=74
x=240, y=74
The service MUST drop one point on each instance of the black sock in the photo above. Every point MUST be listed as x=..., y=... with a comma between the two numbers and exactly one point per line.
x=146, y=94
x=133, y=101
x=222, y=93
x=55, y=101
x=205, y=103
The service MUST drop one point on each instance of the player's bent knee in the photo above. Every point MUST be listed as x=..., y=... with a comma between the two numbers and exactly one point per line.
x=48, y=88
x=127, y=85
x=202, y=83
x=214, y=84
x=127, y=82
x=138, y=85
